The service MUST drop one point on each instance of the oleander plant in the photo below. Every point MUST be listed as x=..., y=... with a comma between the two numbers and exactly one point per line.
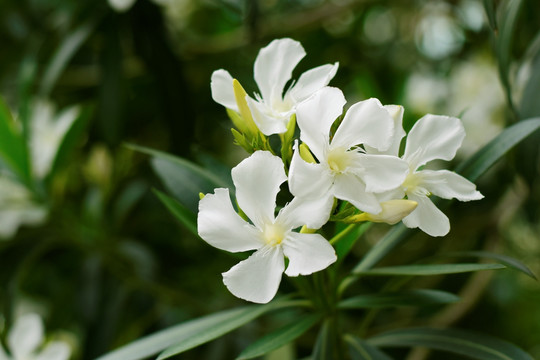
x=299, y=205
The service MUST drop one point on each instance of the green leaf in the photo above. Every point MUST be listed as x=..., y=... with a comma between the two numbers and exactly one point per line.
x=180, y=212
x=351, y=234
x=503, y=259
x=192, y=333
x=426, y=270
x=361, y=350
x=417, y=297
x=470, y=344
x=12, y=146
x=326, y=344
x=483, y=159
x=529, y=105
x=200, y=331
x=489, y=7
x=63, y=55
x=182, y=178
x=280, y=337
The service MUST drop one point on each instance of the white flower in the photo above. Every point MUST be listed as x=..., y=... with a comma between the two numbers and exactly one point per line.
x=17, y=207
x=273, y=68
x=344, y=170
x=26, y=337
x=257, y=180
x=432, y=137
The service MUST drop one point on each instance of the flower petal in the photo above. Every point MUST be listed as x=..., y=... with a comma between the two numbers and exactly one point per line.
x=449, y=185
x=308, y=179
x=220, y=226
x=427, y=217
x=55, y=350
x=257, y=180
x=311, y=81
x=274, y=65
x=268, y=121
x=316, y=115
x=366, y=122
x=313, y=212
x=381, y=172
x=221, y=84
x=433, y=137
x=350, y=188
x=26, y=335
x=396, y=112
x=307, y=253
x=257, y=278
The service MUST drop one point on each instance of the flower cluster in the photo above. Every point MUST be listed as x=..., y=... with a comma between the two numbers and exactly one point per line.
x=345, y=166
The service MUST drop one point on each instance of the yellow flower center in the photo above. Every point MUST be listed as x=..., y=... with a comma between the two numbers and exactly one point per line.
x=273, y=234
x=338, y=160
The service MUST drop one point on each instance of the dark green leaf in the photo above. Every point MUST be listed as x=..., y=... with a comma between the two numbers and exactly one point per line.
x=182, y=178
x=426, y=270
x=12, y=146
x=361, y=350
x=489, y=7
x=180, y=212
x=344, y=244
x=191, y=333
x=503, y=259
x=280, y=337
x=476, y=346
x=326, y=344
x=202, y=330
x=417, y=297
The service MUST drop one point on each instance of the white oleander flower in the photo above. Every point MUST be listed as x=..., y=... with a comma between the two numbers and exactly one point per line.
x=344, y=170
x=432, y=137
x=257, y=180
x=25, y=339
x=272, y=109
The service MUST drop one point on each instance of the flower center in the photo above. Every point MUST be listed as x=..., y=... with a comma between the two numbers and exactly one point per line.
x=273, y=234
x=338, y=160
x=412, y=185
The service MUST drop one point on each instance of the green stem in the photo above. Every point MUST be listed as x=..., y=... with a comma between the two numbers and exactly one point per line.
x=343, y=233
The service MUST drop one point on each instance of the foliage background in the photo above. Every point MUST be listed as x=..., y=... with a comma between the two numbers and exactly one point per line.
x=111, y=264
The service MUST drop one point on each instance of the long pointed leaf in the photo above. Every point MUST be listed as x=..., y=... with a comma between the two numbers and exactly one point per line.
x=192, y=333
x=426, y=270
x=477, y=346
x=180, y=212
x=280, y=337
x=503, y=259
x=417, y=297
x=361, y=350
x=12, y=146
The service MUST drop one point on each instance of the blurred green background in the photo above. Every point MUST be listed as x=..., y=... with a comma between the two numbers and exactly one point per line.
x=108, y=263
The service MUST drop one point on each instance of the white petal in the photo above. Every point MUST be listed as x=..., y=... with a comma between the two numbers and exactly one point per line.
x=427, y=217
x=433, y=137
x=257, y=180
x=350, y=188
x=311, y=81
x=308, y=179
x=366, y=122
x=396, y=112
x=220, y=226
x=268, y=121
x=274, y=66
x=257, y=278
x=381, y=172
x=307, y=253
x=221, y=84
x=316, y=115
x=121, y=5
x=55, y=350
x=26, y=335
x=449, y=185
x=313, y=212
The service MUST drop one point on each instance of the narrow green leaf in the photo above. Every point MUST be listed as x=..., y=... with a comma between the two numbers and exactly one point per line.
x=489, y=7
x=280, y=337
x=344, y=244
x=198, y=332
x=361, y=350
x=182, y=178
x=529, y=105
x=503, y=259
x=426, y=270
x=483, y=159
x=192, y=333
x=63, y=55
x=325, y=345
x=180, y=212
x=417, y=297
x=12, y=146
x=470, y=344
